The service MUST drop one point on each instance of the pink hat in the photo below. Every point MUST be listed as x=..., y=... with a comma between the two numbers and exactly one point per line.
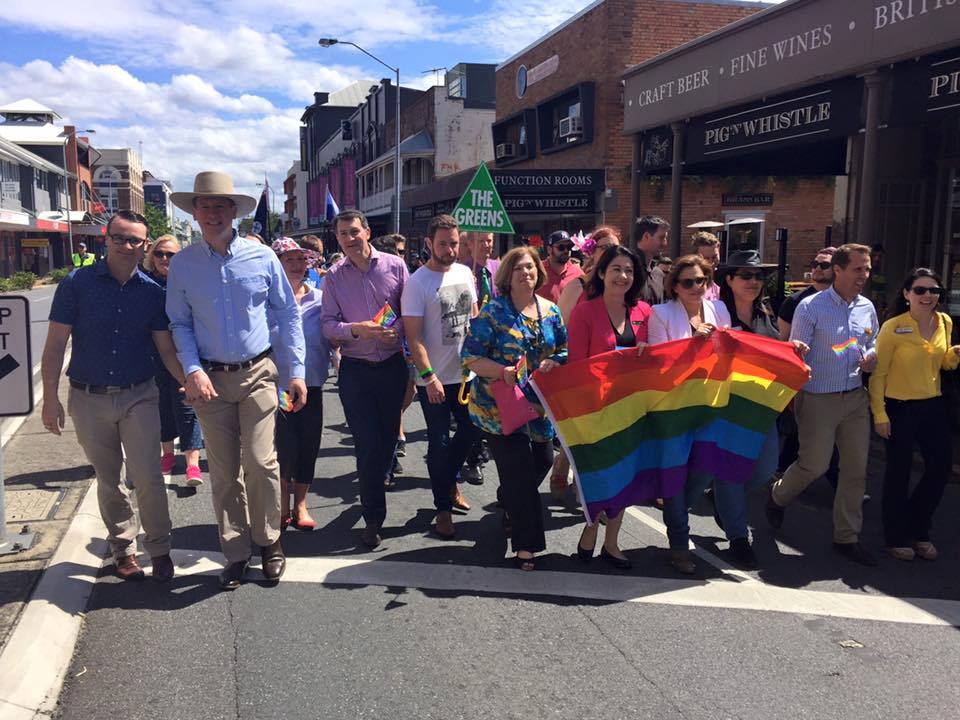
x=285, y=244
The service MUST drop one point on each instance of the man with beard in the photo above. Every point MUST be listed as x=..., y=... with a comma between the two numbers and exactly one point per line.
x=438, y=301
x=560, y=271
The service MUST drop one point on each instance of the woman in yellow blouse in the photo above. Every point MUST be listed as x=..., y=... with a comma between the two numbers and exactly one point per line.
x=912, y=348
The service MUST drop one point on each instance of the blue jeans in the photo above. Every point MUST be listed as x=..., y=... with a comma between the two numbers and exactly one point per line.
x=176, y=417
x=730, y=498
x=372, y=397
x=445, y=455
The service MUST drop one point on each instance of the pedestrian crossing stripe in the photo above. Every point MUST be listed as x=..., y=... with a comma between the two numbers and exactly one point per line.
x=480, y=209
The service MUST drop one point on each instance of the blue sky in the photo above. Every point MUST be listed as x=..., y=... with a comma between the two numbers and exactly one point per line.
x=211, y=85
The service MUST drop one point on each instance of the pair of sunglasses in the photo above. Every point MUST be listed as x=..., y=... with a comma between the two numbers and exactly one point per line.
x=821, y=265
x=748, y=276
x=161, y=254
x=563, y=246
x=688, y=283
x=924, y=290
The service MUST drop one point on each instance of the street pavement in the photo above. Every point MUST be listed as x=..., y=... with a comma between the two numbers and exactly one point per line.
x=424, y=628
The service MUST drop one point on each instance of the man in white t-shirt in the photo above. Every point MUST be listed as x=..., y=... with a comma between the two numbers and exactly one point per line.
x=437, y=303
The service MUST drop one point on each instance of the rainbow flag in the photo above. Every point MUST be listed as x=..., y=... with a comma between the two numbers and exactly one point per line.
x=286, y=403
x=522, y=371
x=633, y=427
x=840, y=348
x=385, y=317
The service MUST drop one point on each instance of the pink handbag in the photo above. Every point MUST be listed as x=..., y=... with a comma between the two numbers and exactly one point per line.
x=515, y=410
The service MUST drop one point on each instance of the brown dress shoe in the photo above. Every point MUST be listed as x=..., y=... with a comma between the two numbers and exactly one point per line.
x=233, y=574
x=682, y=562
x=128, y=568
x=444, y=525
x=162, y=568
x=459, y=501
x=273, y=562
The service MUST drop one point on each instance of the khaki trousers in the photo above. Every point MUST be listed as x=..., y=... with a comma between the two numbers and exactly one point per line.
x=825, y=419
x=238, y=428
x=109, y=427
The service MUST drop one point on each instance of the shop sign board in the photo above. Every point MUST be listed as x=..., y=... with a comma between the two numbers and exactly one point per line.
x=480, y=209
x=926, y=89
x=35, y=242
x=579, y=203
x=816, y=113
x=548, y=182
x=783, y=47
x=747, y=199
x=16, y=367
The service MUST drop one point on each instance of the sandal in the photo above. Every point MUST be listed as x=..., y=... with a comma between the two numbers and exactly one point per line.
x=306, y=524
x=925, y=550
x=526, y=564
x=285, y=522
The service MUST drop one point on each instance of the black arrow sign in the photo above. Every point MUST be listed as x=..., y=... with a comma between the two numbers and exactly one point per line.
x=7, y=365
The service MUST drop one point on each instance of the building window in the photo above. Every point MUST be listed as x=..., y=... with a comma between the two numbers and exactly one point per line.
x=514, y=138
x=106, y=181
x=566, y=120
x=745, y=231
x=10, y=181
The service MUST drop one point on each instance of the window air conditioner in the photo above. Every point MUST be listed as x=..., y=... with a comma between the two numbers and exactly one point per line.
x=571, y=127
x=505, y=151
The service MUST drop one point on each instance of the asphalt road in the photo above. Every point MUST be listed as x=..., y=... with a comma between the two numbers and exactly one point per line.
x=423, y=628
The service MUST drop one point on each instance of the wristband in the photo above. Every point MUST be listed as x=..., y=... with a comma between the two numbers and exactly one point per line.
x=426, y=373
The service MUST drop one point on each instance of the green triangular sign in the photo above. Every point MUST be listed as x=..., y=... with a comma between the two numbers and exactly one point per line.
x=481, y=209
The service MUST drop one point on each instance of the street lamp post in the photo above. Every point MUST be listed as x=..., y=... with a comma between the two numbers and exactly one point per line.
x=327, y=42
x=66, y=170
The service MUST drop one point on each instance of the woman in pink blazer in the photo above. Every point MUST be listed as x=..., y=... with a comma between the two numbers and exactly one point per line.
x=611, y=318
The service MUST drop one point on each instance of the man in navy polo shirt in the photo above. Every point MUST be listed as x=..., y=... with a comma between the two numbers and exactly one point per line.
x=115, y=315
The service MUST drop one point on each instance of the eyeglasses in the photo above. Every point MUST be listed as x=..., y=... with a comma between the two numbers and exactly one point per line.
x=688, y=283
x=160, y=254
x=822, y=265
x=748, y=276
x=124, y=240
x=921, y=290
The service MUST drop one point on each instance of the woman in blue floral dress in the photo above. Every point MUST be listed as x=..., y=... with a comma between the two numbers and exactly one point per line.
x=517, y=324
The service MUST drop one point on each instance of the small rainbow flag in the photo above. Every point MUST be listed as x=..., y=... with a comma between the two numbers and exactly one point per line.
x=634, y=426
x=841, y=348
x=286, y=403
x=522, y=371
x=386, y=316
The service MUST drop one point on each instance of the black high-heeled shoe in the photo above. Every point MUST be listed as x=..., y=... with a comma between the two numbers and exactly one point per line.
x=584, y=555
x=618, y=563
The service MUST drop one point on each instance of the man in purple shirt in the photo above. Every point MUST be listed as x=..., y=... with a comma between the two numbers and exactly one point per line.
x=373, y=376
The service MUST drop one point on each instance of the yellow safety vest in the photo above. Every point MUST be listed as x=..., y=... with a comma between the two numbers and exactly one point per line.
x=87, y=259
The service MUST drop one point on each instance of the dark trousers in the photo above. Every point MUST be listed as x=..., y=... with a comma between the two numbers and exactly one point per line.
x=522, y=464
x=176, y=417
x=445, y=455
x=372, y=397
x=298, y=439
x=906, y=515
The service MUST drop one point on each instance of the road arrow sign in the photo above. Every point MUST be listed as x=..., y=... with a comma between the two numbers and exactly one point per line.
x=16, y=368
x=481, y=209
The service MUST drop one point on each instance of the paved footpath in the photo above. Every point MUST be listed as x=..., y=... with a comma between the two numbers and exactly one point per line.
x=422, y=628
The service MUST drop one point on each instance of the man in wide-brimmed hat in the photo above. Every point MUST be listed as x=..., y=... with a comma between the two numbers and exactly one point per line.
x=218, y=294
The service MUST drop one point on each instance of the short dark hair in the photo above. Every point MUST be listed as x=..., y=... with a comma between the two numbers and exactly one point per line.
x=901, y=306
x=129, y=216
x=704, y=239
x=447, y=222
x=650, y=224
x=826, y=251
x=841, y=257
x=386, y=244
x=594, y=287
x=348, y=216
x=681, y=264
x=311, y=242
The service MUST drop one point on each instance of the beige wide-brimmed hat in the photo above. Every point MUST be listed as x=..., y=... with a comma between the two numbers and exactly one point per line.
x=213, y=184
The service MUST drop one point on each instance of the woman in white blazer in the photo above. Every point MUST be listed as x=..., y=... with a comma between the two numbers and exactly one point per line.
x=685, y=315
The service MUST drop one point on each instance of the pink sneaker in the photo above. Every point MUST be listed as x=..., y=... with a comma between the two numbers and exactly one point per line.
x=166, y=463
x=194, y=476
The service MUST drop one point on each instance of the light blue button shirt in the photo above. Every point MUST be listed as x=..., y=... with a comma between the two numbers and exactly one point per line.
x=840, y=335
x=217, y=305
x=317, y=346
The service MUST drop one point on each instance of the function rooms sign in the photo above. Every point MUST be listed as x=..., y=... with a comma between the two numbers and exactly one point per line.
x=480, y=208
x=16, y=369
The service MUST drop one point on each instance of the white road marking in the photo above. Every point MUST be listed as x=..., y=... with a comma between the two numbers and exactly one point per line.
x=611, y=588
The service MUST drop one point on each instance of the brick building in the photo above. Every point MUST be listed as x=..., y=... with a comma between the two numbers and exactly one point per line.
x=560, y=112
x=118, y=180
